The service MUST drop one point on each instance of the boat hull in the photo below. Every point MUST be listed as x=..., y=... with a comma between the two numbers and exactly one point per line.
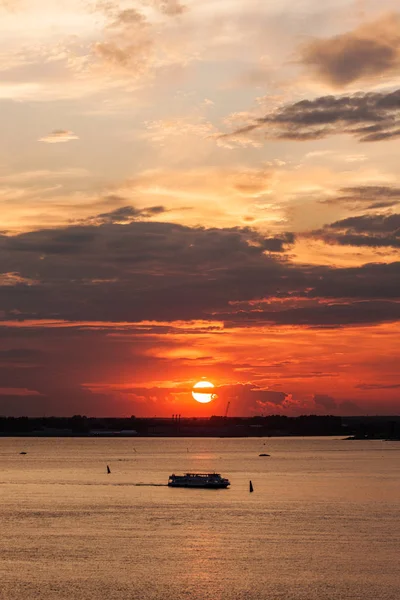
x=208, y=481
x=204, y=486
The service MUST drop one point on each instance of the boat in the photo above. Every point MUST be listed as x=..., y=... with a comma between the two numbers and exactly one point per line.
x=212, y=481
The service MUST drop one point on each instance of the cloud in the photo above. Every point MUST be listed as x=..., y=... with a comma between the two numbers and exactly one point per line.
x=128, y=17
x=162, y=271
x=130, y=38
x=14, y=279
x=278, y=243
x=127, y=214
x=17, y=392
x=378, y=386
x=164, y=130
x=59, y=136
x=370, y=223
x=368, y=52
x=115, y=52
x=171, y=8
x=327, y=314
x=248, y=397
x=331, y=405
x=369, y=197
x=324, y=400
x=349, y=407
x=20, y=357
x=376, y=231
x=124, y=54
x=369, y=117
x=128, y=55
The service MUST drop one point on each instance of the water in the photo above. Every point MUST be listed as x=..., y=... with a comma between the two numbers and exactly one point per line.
x=322, y=523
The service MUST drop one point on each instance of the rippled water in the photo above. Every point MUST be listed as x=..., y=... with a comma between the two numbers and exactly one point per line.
x=322, y=523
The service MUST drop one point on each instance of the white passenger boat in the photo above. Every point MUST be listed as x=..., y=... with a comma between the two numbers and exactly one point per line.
x=198, y=480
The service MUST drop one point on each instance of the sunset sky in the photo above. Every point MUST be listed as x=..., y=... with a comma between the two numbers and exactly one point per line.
x=199, y=188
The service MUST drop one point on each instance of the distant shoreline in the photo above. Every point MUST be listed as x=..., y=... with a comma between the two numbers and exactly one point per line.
x=347, y=428
x=202, y=436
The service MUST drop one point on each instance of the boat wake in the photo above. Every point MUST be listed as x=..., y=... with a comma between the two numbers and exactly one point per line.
x=150, y=484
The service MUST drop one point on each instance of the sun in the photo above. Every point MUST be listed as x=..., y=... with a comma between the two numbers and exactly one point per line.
x=202, y=392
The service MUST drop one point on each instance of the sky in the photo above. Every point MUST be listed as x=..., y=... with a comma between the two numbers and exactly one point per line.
x=199, y=189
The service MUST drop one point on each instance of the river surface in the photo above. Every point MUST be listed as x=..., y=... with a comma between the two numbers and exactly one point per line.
x=323, y=522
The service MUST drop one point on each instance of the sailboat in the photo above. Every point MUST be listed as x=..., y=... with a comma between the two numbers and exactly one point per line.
x=251, y=487
x=108, y=469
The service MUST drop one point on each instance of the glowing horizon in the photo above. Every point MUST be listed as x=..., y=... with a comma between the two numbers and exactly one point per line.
x=190, y=187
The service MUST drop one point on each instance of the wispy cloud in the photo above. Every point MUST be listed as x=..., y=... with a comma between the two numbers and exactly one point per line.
x=369, y=117
x=376, y=231
x=378, y=386
x=59, y=136
x=128, y=214
x=369, y=197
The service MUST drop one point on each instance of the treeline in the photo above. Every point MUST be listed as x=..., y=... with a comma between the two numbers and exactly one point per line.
x=76, y=425
x=380, y=428
x=273, y=425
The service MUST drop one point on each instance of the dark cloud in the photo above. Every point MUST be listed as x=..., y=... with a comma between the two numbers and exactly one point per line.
x=331, y=405
x=127, y=214
x=20, y=357
x=20, y=406
x=65, y=401
x=375, y=231
x=163, y=271
x=378, y=386
x=69, y=241
x=367, y=52
x=368, y=197
x=278, y=244
x=327, y=314
x=369, y=117
x=250, y=394
x=349, y=407
x=370, y=281
x=370, y=223
x=324, y=400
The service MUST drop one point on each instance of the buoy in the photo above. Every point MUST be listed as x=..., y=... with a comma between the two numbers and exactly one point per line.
x=108, y=469
x=251, y=486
